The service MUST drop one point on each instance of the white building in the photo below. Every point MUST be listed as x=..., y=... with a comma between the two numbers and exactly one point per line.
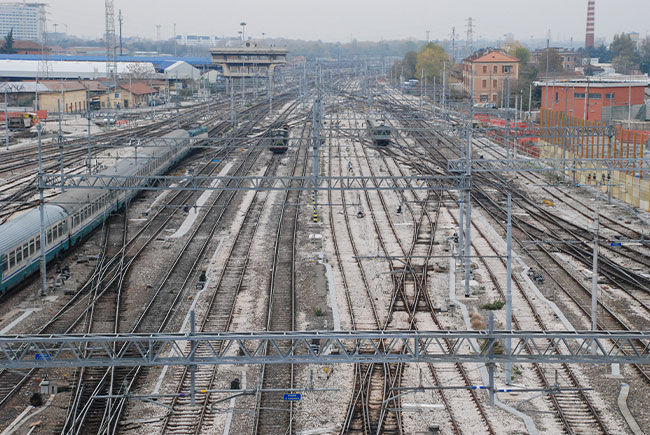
x=196, y=40
x=23, y=18
x=181, y=71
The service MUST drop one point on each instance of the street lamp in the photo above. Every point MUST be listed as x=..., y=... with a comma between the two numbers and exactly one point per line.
x=243, y=25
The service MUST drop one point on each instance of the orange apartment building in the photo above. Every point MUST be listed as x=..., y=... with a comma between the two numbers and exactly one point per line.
x=490, y=71
x=595, y=100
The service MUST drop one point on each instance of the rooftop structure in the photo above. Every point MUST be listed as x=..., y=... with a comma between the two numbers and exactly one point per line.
x=249, y=60
x=23, y=18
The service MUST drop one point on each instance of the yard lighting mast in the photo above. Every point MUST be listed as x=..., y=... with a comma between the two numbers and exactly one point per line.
x=243, y=36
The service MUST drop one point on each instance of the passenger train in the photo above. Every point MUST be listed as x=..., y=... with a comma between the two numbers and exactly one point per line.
x=76, y=212
x=379, y=132
x=279, y=142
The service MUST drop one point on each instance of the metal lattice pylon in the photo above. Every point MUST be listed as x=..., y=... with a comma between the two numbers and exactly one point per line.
x=111, y=59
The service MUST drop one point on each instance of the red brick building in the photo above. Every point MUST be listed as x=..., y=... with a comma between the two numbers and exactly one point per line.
x=595, y=100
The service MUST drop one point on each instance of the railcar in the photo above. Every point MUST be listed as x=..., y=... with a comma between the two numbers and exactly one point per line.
x=77, y=212
x=379, y=132
x=279, y=140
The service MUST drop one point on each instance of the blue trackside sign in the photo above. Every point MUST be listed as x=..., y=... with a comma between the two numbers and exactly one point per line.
x=292, y=397
x=616, y=244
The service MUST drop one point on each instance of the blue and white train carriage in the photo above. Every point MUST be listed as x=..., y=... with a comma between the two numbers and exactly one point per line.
x=77, y=212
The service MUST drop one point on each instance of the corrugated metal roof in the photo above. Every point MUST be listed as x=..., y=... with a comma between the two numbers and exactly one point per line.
x=64, y=69
x=27, y=226
x=152, y=59
x=19, y=87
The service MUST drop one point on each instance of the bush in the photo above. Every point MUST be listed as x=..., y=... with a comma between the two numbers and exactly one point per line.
x=494, y=305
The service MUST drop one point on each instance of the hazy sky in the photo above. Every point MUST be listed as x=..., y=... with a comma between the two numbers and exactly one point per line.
x=339, y=20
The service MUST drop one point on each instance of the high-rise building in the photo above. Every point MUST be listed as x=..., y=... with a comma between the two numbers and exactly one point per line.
x=23, y=18
x=591, y=22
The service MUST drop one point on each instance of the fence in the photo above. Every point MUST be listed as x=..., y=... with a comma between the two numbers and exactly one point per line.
x=566, y=137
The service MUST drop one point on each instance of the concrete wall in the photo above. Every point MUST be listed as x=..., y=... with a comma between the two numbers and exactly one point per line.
x=71, y=101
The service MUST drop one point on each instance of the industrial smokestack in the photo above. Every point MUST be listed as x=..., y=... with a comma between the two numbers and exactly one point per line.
x=591, y=21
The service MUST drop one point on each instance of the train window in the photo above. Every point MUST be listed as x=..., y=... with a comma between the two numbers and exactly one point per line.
x=64, y=227
x=19, y=256
x=5, y=265
x=32, y=246
x=12, y=260
x=49, y=237
x=38, y=243
x=26, y=250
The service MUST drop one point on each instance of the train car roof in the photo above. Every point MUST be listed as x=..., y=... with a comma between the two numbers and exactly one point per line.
x=27, y=225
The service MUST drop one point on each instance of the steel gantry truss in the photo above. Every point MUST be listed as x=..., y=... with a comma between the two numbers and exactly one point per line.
x=541, y=164
x=99, y=350
x=284, y=183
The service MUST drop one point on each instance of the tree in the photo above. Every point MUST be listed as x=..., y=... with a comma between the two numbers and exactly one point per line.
x=8, y=46
x=515, y=49
x=624, y=56
x=644, y=54
x=431, y=60
x=554, y=61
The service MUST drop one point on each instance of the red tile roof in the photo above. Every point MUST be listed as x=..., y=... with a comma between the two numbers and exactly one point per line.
x=138, y=88
x=491, y=56
x=66, y=85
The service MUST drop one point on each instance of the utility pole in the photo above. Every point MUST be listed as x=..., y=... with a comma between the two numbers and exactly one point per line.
x=6, y=119
x=41, y=208
x=548, y=44
x=174, y=39
x=90, y=152
x=158, y=26
x=316, y=126
x=509, y=288
x=60, y=142
x=594, y=271
x=119, y=19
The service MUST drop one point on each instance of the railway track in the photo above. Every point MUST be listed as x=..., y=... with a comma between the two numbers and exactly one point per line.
x=272, y=413
x=108, y=272
x=186, y=418
x=180, y=276
x=574, y=412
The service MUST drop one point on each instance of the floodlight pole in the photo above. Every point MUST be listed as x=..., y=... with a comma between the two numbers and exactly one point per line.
x=60, y=142
x=41, y=208
x=6, y=120
x=594, y=276
x=509, y=289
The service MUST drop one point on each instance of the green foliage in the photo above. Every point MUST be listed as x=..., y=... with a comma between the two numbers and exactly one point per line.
x=515, y=49
x=431, y=60
x=601, y=53
x=318, y=312
x=494, y=305
x=522, y=54
x=554, y=61
x=644, y=54
x=8, y=45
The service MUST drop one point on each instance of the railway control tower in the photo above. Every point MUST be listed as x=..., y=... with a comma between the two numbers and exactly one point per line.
x=249, y=60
